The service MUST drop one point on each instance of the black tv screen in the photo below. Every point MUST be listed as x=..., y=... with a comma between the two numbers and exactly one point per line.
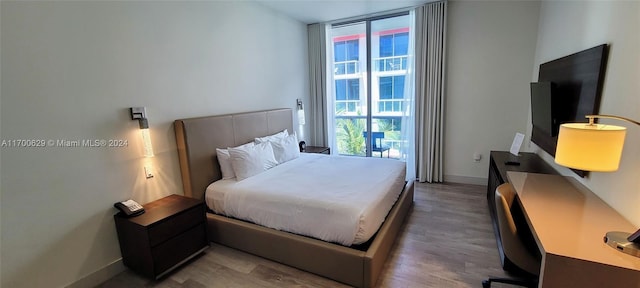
x=542, y=116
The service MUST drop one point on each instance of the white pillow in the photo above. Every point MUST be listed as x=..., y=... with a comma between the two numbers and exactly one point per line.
x=274, y=137
x=286, y=149
x=252, y=160
x=224, y=159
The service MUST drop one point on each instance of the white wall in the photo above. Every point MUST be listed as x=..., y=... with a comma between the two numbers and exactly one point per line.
x=567, y=27
x=71, y=70
x=491, y=46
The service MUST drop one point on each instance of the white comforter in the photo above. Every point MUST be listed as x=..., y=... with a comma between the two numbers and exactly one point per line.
x=333, y=198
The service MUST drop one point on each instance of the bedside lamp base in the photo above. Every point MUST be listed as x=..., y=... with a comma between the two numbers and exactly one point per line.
x=618, y=241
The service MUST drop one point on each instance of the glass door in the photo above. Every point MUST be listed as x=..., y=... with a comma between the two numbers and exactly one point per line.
x=370, y=97
x=390, y=99
x=350, y=89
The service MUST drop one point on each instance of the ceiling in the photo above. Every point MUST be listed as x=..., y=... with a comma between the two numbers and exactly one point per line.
x=314, y=11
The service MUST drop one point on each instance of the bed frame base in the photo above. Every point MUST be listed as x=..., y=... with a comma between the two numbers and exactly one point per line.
x=343, y=264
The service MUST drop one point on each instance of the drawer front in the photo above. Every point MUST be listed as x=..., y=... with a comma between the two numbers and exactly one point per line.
x=179, y=248
x=176, y=225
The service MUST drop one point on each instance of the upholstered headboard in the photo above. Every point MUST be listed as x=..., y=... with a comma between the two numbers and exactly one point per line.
x=198, y=138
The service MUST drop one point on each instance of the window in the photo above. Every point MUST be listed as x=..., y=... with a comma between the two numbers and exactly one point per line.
x=347, y=95
x=391, y=70
x=346, y=57
x=393, y=52
x=391, y=93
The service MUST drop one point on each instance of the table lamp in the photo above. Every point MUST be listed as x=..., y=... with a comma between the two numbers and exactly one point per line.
x=597, y=147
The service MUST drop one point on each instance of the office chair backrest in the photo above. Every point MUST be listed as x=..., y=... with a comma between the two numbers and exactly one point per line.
x=512, y=245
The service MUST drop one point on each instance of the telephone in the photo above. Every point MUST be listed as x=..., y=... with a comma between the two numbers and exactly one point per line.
x=130, y=208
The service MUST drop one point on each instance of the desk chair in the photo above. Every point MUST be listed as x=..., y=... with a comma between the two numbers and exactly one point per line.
x=525, y=263
x=376, y=144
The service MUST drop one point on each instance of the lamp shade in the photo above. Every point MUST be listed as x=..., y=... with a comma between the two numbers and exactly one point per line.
x=301, y=117
x=587, y=147
x=146, y=143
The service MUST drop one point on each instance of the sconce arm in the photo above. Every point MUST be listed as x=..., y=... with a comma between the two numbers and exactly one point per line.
x=592, y=117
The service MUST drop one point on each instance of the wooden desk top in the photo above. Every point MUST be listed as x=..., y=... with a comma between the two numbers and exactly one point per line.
x=569, y=220
x=529, y=162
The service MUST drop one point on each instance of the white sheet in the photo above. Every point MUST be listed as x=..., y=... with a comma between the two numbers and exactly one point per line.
x=333, y=198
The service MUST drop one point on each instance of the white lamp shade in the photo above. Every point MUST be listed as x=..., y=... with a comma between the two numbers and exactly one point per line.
x=146, y=143
x=301, y=117
x=590, y=147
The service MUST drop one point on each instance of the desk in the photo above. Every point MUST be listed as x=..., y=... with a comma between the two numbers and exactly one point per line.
x=529, y=162
x=568, y=223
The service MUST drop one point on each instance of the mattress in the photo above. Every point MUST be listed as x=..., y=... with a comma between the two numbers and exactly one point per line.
x=337, y=199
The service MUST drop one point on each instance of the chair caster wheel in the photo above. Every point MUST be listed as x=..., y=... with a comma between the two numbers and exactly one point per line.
x=486, y=284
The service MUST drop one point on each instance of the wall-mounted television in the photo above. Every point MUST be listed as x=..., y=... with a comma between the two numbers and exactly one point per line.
x=575, y=87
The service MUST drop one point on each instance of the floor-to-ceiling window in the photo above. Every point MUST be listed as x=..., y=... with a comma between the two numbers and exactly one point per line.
x=370, y=97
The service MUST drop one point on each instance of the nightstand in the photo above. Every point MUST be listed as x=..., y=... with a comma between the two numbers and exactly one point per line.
x=170, y=232
x=317, y=149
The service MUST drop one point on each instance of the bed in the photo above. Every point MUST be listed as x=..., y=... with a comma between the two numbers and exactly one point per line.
x=197, y=140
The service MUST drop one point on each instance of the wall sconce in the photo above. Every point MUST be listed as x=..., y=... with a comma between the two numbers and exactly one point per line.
x=301, y=117
x=140, y=114
x=597, y=147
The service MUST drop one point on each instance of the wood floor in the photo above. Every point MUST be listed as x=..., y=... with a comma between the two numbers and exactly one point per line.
x=447, y=241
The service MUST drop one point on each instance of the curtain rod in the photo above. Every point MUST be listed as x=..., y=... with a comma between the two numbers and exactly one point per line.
x=370, y=17
x=350, y=20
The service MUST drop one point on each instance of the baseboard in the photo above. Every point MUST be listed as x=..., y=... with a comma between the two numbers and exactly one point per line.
x=465, y=180
x=96, y=278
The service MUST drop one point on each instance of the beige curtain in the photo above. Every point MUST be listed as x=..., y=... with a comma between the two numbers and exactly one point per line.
x=430, y=48
x=318, y=84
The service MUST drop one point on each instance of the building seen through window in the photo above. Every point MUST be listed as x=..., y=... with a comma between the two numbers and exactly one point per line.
x=389, y=60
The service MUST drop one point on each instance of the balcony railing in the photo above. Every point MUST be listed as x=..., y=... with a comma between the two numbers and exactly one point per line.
x=393, y=63
x=390, y=105
x=382, y=64
x=347, y=106
x=346, y=67
x=350, y=140
x=386, y=107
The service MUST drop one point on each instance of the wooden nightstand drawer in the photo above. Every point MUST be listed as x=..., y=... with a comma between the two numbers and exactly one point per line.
x=164, y=230
x=171, y=231
x=176, y=249
x=317, y=149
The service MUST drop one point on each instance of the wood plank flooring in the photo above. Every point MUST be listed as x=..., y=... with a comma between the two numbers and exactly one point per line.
x=447, y=241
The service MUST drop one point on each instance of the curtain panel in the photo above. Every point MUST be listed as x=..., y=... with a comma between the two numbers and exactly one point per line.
x=318, y=84
x=430, y=47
